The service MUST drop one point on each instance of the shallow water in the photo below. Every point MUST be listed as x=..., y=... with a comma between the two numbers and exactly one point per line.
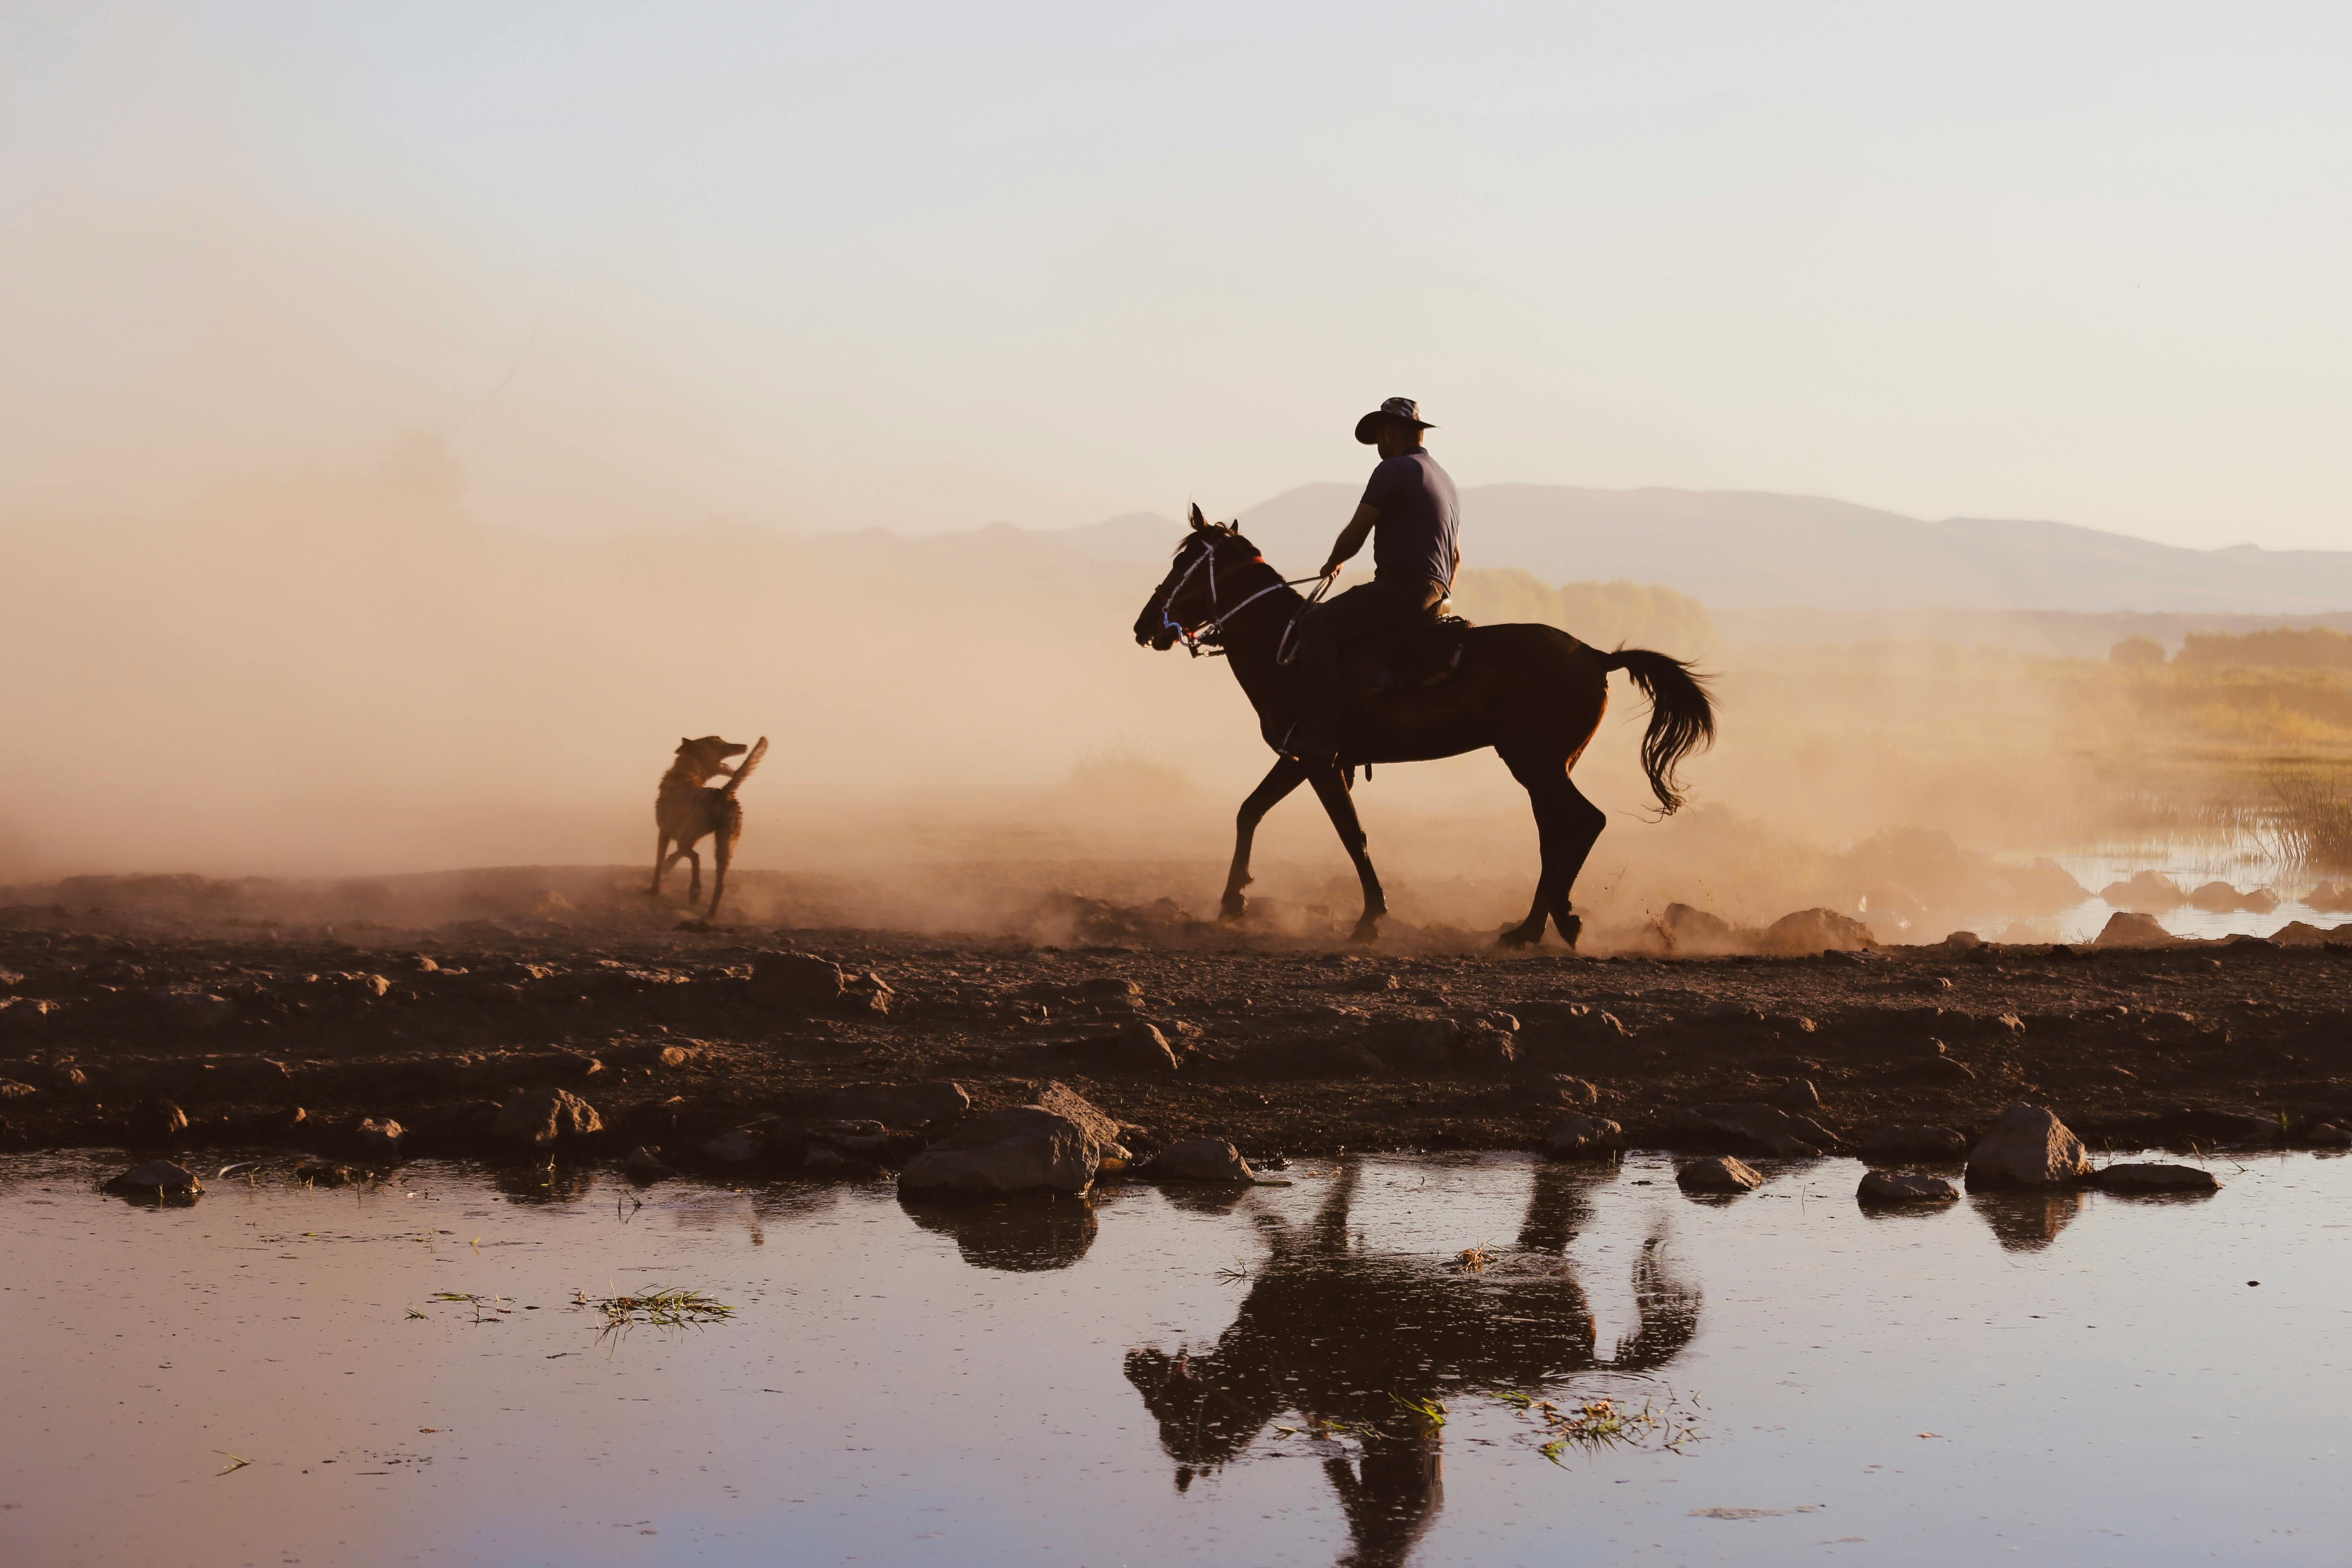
x=2084, y=1378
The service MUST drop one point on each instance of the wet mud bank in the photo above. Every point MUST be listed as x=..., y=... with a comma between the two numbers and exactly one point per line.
x=845, y=1052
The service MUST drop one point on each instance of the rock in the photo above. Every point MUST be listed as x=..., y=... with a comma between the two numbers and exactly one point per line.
x=798, y=979
x=1350, y=1060
x=1911, y=1141
x=741, y=1146
x=1109, y=988
x=2154, y=1178
x=646, y=1164
x=2028, y=1147
x=1484, y=1045
x=194, y=1006
x=157, y=1120
x=1023, y=1149
x=1198, y=1160
x=2148, y=892
x=2328, y=1135
x=11, y=1089
x=1893, y=1187
x=1141, y=1047
x=1750, y=1127
x=320, y=1173
x=1798, y=1095
x=1559, y=1089
x=673, y=1056
x=1694, y=932
x=26, y=1014
x=1720, y=1175
x=1374, y=984
x=151, y=1177
x=1816, y=930
x=2248, y=947
x=1411, y=1041
x=1964, y=941
x=821, y=1160
x=2126, y=928
x=896, y=1105
x=1583, y=1138
x=1066, y=1102
x=379, y=1140
x=540, y=1118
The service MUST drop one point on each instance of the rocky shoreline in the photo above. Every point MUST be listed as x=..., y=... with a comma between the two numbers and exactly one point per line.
x=850, y=1053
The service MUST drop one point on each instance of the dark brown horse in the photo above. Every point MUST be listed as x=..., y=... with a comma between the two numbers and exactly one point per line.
x=1532, y=692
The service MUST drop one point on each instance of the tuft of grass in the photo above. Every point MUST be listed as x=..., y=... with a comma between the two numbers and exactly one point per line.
x=1432, y=1411
x=665, y=1307
x=1600, y=1421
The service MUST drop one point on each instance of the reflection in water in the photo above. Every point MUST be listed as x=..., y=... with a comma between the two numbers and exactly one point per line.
x=2028, y=1221
x=1019, y=1238
x=1338, y=1334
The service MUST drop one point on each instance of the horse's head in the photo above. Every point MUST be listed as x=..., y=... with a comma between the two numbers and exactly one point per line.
x=1187, y=597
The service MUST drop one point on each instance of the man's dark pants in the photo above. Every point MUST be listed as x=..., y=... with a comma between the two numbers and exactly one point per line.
x=1381, y=606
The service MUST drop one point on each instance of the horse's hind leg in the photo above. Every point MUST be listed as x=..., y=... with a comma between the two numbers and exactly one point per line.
x=1286, y=775
x=1331, y=789
x=1567, y=825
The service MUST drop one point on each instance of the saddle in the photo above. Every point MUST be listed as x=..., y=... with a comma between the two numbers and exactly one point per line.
x=1413, y=658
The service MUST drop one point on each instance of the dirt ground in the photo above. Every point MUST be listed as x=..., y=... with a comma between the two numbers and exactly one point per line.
x=113, y=1025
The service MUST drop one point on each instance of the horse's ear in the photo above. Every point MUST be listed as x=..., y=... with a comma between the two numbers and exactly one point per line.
x=1198, y=522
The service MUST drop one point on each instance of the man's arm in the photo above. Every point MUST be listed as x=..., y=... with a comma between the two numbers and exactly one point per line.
x=1351, y=537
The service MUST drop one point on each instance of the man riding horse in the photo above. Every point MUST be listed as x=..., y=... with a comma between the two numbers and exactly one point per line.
x=1410, y=514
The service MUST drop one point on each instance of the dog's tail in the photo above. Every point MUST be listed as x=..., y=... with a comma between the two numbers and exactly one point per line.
x=743, y=769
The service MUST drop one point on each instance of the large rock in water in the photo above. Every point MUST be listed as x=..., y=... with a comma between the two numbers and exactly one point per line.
x=2154, y=1178
x=1063, y=1100
x=1198, y=1160
x=1749, y=1127
x=1023, y=1149
x=1893, y=1187
x=539, y=1119
x=1721, y=1175
x=2028, y=1147
x=149, y=1177
x=1583, y=1138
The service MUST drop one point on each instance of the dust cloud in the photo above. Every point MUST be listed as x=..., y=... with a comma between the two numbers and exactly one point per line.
x=337, y=679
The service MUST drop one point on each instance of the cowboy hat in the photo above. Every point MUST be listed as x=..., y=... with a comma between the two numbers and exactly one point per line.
x=1403, y=409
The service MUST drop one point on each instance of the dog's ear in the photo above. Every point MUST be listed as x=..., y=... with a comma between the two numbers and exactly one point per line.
x=684, y=744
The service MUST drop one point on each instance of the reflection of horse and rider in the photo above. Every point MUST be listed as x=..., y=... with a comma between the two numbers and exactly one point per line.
x=1380, y=675
x=1336, y=1333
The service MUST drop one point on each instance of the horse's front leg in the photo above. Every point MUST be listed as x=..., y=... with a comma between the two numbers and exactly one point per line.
x=1287, y=775
x=1331, y=788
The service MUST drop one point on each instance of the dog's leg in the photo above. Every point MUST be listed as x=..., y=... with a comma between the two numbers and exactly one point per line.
x=661, y=861
x=722, y=849
x=694, y=881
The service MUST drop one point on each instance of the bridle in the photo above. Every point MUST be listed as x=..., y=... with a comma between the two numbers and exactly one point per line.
x=1213, y=629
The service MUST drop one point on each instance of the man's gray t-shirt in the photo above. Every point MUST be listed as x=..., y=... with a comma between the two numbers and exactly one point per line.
x=1414, y=535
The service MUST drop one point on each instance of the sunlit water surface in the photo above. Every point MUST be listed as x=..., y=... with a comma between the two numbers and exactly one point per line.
x=2077, y=1379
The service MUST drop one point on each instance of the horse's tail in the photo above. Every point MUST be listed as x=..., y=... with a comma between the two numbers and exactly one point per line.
x=743, y=769
x=1682, y=718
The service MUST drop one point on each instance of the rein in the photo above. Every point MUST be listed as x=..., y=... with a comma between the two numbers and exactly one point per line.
x=1213, y=628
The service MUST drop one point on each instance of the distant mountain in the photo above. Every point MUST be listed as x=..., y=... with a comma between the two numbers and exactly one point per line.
x=1740, y=549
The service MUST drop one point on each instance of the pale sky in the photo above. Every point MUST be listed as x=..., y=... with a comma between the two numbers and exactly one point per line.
x=932, y=266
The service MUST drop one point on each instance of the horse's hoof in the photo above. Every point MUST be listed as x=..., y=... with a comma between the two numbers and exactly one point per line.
x=1367, y=931
x=1517, y=937
x=1231, y=909
x=1570, y=928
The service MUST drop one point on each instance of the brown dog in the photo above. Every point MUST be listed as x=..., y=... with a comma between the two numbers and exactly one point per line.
x=686, y=813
